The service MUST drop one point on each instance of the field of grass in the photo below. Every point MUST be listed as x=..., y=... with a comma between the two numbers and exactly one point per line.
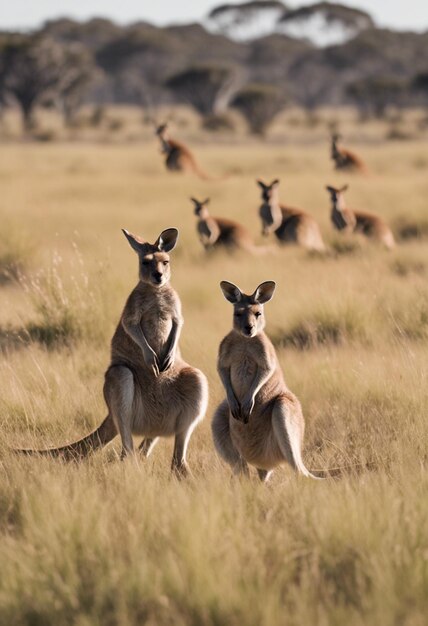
x=111, y=543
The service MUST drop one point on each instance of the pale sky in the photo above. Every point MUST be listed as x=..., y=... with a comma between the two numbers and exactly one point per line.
x=25, y=14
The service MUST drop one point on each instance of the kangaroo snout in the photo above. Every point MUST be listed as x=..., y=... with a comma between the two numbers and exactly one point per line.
x=157, y=277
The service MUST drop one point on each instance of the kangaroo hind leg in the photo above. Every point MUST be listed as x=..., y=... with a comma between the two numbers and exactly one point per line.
x=223, y=441
x=119, y=396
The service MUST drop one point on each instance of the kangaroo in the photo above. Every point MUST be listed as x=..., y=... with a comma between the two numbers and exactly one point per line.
x=216, y=232
x=345, y=159
x=289, y=225
x=260, y=422
x=178, y=156
x=350, y=221
x=149, y=390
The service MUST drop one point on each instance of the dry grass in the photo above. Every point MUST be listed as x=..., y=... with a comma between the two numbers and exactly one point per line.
x=122, y=544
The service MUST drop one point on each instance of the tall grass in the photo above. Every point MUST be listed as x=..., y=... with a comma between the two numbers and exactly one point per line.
x=120, y=544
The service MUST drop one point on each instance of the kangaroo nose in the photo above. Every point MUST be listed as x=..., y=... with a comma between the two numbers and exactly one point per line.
x=248, y=329
x=157, y=276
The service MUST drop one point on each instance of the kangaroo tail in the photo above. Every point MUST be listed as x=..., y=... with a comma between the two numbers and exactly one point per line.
x=203, y=175
x=82, y=448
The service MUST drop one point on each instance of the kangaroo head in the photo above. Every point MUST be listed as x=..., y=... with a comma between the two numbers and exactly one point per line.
x=200, y=207
x=336, y=195
x=153, y=259
x=161, y=129
x=248, y=314
x=268, y=191
x=269, y=211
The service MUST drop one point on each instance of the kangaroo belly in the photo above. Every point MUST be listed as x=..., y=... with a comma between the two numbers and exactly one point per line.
x=242, y=375
x=256, y=441
x=157, y=332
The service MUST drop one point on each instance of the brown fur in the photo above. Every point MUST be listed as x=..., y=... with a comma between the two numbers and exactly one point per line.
x=149, y=389
x=260, y=422
x=178, y=157
x=350, y=221
x=346, y=160
x=289, y=225
x=219, y=232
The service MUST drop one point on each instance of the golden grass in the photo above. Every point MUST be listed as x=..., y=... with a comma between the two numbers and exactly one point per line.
x=113, y=543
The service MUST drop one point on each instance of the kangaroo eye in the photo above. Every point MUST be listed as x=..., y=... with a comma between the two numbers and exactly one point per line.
x=257, y=314
x=238, y=314
x=165, y=262
x=146, y=262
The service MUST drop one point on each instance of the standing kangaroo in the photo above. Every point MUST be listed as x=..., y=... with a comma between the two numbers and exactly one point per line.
x=345, y=159
x=260, y=422
x=289, y=225
x=216, y=232
x=149, y=390
x=178, y=156
x=350, y=221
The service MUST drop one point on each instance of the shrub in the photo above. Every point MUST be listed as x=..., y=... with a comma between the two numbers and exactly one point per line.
x=324, y=328
x=259, y=104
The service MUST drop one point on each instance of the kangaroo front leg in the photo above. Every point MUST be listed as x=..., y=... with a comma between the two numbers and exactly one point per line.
x=261, y=377
x=234, y=406
x=131, y=325
x=171, y=345
x=119, y=396
x=147, y=445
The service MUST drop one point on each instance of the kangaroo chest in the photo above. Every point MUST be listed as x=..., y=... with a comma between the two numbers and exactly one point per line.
x=156, y=326
x=242, y=372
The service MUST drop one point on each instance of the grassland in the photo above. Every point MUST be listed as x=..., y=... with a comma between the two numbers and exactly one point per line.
x=111, y=543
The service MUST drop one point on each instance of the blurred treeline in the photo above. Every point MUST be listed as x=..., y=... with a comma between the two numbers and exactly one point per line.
x=66, y=64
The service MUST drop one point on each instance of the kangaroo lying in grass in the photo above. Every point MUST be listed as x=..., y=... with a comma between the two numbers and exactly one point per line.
x=350, y=221
x=149, y=390
x=217, y=232
x=260, y=422
x=344, y=159
x=289, y=225
x=178, y=156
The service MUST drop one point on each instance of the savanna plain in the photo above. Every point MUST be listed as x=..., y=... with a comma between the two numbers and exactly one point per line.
x=105, y=542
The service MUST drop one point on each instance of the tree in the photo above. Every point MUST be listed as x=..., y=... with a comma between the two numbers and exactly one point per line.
x=33, y=71
x=78, y=72
x=205, y=87
x=373, y=95
x=259, y=104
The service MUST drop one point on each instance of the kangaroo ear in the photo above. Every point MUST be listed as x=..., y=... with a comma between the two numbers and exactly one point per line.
x=206, y=201
x=261, y=184
x=134, y=241
x=195, y=202
x=275, y=183
x=344, y=188
x=264, y=292
x=330, y=189
x=167, y=240
x=230, y=291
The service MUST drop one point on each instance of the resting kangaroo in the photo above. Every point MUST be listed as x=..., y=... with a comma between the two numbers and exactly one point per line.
x=345, y=159
x=149, y=390
x=215, y=232
x=289, y=225
x=260, y=422
x=178, y=156
x=350, y=221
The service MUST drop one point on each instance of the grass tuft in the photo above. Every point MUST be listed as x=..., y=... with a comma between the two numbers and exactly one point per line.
x=324, y=328
x=16, y=250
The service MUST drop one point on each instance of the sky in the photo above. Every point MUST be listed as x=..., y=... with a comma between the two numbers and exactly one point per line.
x=27, y=14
